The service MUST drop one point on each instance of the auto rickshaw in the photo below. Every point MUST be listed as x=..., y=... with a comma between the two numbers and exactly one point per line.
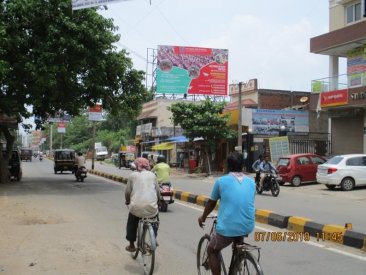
x=125, y=159
x=64, y=160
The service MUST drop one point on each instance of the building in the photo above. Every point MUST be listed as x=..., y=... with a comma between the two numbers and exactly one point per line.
x=340, y=99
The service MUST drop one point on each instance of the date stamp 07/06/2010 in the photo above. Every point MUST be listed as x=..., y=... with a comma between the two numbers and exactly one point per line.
x=291, y=236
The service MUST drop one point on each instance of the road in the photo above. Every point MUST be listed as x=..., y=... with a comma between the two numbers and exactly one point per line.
x=313, y=201
x=50, y=224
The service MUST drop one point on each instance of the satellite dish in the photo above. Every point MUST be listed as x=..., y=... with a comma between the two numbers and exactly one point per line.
x=304, y=99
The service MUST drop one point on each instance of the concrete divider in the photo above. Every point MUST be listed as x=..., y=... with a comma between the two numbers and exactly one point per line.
x=321, y=232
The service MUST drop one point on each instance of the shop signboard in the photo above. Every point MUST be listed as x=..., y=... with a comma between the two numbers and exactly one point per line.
x=279, y=147
x=334, y=98
x=192, y=70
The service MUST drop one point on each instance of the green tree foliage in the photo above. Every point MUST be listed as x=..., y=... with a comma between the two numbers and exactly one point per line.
x=204, y=120
x=56, y=59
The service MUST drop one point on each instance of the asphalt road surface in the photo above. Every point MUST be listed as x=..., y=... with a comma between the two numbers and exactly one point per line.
x=51, y=224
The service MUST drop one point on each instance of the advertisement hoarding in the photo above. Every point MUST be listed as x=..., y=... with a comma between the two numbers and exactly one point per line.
x=82, y=4
x=192, y=70
x=268, y=122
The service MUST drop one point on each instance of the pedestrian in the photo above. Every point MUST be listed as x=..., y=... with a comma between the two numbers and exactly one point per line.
x=236, y=193
x=142, y=194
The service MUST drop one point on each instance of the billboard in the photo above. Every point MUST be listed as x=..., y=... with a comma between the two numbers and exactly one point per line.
x=83, y=4
x=268, y=122
x=192, y=70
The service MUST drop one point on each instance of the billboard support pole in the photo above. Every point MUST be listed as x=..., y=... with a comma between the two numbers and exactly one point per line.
x=240, y=128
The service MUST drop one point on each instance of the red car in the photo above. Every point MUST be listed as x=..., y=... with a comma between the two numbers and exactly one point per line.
x=299, y=168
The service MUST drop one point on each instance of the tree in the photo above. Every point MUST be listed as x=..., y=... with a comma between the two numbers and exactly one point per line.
x=202, y=120
x=56, y=59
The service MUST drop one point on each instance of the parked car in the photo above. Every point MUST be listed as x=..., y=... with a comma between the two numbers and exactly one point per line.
x=15, y=165
x=299, y=168
x=64, y=160
x=346, y=171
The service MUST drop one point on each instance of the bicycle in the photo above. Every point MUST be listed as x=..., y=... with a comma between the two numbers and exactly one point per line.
x=146, y=243
x=242, y=260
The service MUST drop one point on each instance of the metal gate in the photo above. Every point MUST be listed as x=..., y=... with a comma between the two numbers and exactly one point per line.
x=319, y=147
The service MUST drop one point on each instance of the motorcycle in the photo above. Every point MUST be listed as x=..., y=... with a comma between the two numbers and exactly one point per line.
x=166, y=192
x=40, y=158
x=80, y=173
x=270, y=183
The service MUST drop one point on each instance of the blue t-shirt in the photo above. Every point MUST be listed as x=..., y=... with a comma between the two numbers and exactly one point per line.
x=236, y=215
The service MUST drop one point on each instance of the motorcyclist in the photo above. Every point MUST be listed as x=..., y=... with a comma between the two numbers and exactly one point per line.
x=265, y=167
x=79, y=161
x=162, y=171
x=256, y=168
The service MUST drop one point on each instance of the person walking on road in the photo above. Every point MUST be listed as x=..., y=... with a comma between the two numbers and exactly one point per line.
x=142, y=194
x=236, y=193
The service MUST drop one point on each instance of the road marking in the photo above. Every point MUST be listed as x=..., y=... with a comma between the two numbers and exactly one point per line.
x=316, y=244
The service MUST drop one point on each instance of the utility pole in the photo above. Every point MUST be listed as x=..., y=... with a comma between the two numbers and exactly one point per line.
x=93, y=145
x=240, y=128
x=51, y=139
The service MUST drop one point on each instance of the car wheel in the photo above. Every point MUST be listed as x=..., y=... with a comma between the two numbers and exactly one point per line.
x=296, y=181
x=347, y=184
x=330, y=187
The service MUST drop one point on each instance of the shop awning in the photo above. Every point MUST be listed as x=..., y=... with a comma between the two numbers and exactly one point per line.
x=178, y=139
x=163, y=146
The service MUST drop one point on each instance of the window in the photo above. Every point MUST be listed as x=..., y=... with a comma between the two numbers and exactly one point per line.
x=354, y=162
x=353, y=12
x=303, y=160
x=317, y=160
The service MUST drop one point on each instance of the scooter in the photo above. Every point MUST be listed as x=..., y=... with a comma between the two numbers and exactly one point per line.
x=166, y=192
x=80, y=174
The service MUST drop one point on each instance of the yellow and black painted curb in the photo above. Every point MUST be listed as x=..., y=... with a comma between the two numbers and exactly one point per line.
x=321, y=232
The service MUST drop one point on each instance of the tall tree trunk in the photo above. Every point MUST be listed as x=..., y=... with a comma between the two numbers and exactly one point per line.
x=208, y=159
x=4, y=159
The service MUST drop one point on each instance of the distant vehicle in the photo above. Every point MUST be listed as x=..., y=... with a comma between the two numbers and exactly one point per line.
x=299, y=168
x=101, y=153
x=26, y=154
x=346, y=171
x=64, y=160
x=15, y=165
x=125, y=159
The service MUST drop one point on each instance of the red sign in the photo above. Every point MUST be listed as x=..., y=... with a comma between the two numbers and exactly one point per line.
x=96, y=108
x=334, y=98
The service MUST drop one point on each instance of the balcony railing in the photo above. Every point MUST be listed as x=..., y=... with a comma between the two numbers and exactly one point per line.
x=339, y=82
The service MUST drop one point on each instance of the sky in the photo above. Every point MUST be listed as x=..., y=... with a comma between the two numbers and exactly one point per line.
x=267, y=40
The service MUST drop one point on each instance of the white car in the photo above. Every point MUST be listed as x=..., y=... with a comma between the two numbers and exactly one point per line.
x=346, y=171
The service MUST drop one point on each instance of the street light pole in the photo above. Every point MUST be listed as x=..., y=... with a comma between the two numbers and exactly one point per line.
x=240, y=128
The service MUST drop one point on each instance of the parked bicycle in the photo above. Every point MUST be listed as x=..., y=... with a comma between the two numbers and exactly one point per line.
x=146, y=243
x=242, y=259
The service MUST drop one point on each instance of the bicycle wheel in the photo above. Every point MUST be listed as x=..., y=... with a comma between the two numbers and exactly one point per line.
x=202, y=256
x=246, y=264
x=148, y=246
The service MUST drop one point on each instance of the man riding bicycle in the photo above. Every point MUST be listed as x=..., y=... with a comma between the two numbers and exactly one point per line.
x=236, y=216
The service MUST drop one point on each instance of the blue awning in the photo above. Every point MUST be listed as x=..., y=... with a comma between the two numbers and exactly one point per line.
x=178, y=139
